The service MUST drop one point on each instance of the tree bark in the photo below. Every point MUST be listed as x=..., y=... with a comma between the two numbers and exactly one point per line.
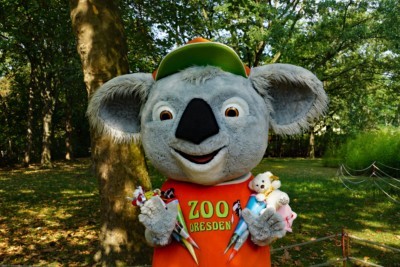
x=46, y=139
x=311, y=144
x=119, y=167
x=69, y=152
x=47, y=120
x=29, y=120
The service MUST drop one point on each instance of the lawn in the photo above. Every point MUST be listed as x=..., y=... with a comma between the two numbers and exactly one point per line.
x=51, y=217
x=325, y=207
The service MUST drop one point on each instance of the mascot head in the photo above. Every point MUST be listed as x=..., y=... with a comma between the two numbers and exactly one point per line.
x=203, y=117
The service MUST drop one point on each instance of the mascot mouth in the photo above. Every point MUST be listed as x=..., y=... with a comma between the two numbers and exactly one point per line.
x=199, y=159
x=202, y=168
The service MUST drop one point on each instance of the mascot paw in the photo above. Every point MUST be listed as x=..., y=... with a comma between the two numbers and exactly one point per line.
x=159, y=220
x=264, y=228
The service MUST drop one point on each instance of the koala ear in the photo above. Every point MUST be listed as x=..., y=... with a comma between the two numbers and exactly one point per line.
x=114, y=108
x=293, y=94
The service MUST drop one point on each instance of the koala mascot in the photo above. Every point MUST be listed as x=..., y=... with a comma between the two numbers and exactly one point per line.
x=203, y=119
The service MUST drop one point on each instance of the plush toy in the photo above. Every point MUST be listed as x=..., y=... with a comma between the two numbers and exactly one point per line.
x=203, y=119
x=288, y=216
x=267, y=186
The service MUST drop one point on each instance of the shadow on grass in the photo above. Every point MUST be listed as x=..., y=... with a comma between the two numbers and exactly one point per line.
x=51, y=217
x=325, y=207
x=48, y=217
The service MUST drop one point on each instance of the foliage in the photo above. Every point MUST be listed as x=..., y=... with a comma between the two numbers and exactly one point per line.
x=51, y=217
x=344, y=46
x=352, y=46
x=13, y=116
x=381, y=145
x=45, y=62
x=296, y=146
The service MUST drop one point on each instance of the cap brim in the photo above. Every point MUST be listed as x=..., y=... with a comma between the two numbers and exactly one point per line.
x=201, y=54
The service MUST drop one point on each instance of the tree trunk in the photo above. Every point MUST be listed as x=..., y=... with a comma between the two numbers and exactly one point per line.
x=69, y=153
x=46, y=139
x=29, y=121
x=47, y=119
x=119, y=167
x=311, y=144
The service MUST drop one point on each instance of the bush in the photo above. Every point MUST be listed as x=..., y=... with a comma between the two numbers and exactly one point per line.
x=382, y=145
x=332, y=155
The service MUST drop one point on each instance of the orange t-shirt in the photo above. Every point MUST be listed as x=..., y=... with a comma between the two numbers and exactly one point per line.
x=211, y=220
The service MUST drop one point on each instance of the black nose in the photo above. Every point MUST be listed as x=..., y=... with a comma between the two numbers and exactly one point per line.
x=197, y=123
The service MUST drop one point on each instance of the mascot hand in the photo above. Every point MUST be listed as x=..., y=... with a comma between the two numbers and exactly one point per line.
x=159, y=220
x=264, y=228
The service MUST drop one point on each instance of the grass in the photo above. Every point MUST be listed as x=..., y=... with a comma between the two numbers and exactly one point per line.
x=325, y=207
x=48, y=217
x=51, y=217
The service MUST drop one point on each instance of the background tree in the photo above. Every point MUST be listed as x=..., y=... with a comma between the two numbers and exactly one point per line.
x=119, y=168
x=341, y=41
x=42, y=56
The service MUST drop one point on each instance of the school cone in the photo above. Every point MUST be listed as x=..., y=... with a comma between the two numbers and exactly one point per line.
x=254, y=206
x=190, y=249
x=239, y=244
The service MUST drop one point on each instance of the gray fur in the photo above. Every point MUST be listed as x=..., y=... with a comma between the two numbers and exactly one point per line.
x=244, y=153
x=114, y=109
x=279, y=96
x=282, y=97
x=296, y=95
x=264, y=228
x=159, y=221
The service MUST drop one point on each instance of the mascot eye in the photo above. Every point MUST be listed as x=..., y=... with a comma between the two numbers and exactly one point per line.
x=235, y=107
x=166, y=115
x=231, y=112
x=162, y=111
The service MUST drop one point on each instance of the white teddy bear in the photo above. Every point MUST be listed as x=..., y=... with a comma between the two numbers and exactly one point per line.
x=267, y=186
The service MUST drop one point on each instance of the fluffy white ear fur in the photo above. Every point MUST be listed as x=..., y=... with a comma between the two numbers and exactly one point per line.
x=296, y=95
x=114, y=108
x=276, y=184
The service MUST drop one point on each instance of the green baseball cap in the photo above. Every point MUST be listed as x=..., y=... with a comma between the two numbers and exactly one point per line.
x=201, y=52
